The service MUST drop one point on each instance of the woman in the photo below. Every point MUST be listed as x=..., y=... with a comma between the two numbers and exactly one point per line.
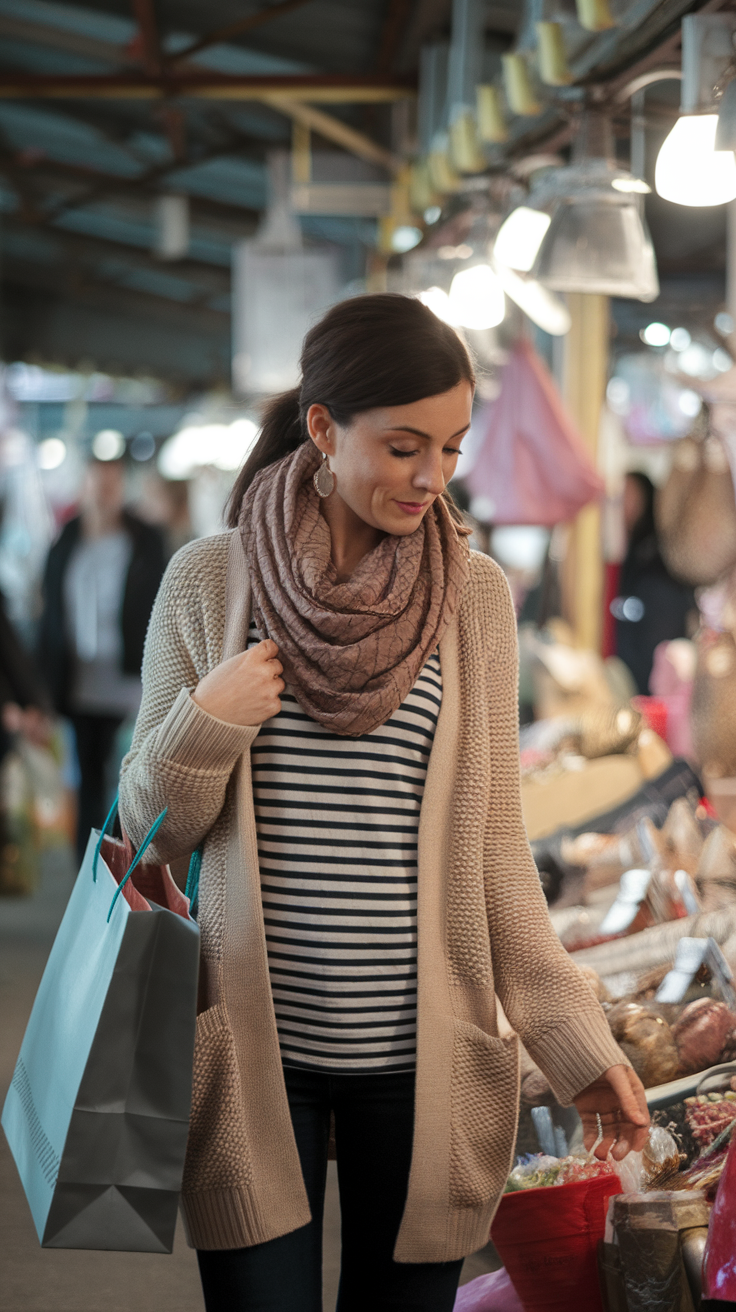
x=652, y=607
x=367, y=888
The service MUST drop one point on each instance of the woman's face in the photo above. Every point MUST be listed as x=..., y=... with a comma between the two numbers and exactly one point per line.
x=390, y=464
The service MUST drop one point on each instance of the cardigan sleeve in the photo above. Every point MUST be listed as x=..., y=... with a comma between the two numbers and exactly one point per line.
x=546, y=998
x=181, y=758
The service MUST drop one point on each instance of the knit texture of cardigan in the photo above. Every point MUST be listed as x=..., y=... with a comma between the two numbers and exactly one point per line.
x=483, y=926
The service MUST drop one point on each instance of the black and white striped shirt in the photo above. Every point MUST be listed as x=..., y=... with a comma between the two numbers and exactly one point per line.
x=337, y=821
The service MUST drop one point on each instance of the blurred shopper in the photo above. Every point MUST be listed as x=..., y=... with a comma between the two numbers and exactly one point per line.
x=165, y=503
x=651, y=607
x=363, y=804
x=24, y=701
x=101, y=578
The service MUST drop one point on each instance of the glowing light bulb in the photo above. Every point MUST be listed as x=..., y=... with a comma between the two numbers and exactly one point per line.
x=689, y=171
x=520, y=237
x=438, y=302
x=476, y=298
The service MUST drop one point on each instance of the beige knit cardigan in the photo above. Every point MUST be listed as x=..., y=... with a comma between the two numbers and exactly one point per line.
x=483, y=927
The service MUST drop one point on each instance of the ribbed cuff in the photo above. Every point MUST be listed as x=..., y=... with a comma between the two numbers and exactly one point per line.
x=191, y=737
x=576, y=1053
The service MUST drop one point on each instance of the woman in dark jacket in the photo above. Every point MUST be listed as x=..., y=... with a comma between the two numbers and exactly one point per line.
x=651, y=607
x=101, y=579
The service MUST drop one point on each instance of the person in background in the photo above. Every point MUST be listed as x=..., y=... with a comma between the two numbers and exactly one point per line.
x=24, y=702
x=651, y=607
x=102, y=575
x=165, y=503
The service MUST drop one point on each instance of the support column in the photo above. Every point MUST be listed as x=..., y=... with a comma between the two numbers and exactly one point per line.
x=584, y=376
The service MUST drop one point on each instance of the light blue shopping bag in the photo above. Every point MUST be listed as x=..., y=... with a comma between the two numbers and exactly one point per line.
x=98, y=1109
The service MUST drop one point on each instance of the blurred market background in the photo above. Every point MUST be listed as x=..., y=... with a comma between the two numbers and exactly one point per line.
x=184, y=188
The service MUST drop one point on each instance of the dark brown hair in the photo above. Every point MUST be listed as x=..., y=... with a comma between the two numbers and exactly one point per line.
x=370, y=351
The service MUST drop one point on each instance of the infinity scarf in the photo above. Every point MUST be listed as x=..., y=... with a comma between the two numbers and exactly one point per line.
x=351, y=650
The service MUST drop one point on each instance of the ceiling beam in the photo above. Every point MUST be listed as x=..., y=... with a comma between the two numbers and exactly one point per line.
x=209, y=279
x=114, y=300
x=111, y=184
x=394, y=29
x=321, y=87
x=60, y=38
x=333, y=129
x=150, y=43
x=238, y=28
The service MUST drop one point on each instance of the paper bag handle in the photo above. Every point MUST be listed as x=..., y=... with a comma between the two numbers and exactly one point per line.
x=136, y=859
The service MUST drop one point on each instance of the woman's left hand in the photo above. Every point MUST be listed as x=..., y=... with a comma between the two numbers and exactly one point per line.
x=618, y=1097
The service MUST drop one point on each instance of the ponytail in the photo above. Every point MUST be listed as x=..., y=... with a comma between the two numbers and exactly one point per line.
x=281, y=433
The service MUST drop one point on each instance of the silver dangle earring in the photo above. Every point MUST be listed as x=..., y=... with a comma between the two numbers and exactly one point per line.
x=324, y=479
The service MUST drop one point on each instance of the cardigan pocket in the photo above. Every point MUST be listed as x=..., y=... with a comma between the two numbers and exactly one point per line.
x=218, y=1154
x=484, y=1112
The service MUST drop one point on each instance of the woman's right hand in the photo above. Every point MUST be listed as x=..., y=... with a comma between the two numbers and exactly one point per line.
x=245, y=689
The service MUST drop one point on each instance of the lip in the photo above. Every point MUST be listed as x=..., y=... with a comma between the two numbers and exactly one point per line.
x=412, y=507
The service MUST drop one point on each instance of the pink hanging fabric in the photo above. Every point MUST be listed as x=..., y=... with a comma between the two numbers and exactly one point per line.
x=532, y=464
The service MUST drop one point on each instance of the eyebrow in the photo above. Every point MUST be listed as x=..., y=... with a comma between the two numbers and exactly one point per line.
x=404, y=428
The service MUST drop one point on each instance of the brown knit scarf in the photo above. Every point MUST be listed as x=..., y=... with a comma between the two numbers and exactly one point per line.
x=351, y=651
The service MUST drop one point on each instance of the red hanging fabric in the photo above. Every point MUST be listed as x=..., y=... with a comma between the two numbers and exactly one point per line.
x=532, y=464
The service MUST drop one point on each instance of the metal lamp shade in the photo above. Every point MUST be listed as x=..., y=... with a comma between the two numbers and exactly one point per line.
x=598, y=242
x=726, y=130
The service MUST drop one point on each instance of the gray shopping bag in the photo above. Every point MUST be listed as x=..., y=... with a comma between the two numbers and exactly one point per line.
x=97, y=1113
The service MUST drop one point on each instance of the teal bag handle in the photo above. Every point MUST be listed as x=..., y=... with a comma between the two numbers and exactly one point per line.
x=138, y=856
x=103, y=834
x=192, y=887
x=195, y=864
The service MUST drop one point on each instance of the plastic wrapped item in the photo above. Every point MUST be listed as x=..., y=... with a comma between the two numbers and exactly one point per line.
x=647, y=1230
x=492, y=1292
x=540, y=1171
x=658, y=1161
x=719, y=1263
x=548, y=1241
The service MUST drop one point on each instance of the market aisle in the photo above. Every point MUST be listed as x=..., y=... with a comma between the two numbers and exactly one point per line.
x=45, y=1280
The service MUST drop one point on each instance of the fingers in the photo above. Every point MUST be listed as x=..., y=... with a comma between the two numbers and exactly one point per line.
x=630, y=1094
x=267, y=649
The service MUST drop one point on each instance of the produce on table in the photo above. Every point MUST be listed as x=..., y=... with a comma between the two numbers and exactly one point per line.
x=538, y=1171
x=646, y=1039
x=708, y=1115
x=705, y=1172
x=700, y=1034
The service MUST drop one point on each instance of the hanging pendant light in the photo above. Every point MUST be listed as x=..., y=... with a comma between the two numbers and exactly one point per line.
x=696, y=165
x=597, y=240
x=689, y=170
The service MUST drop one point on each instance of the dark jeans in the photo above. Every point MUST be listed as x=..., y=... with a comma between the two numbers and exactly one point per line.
x=374, y=1118
x=95, y=735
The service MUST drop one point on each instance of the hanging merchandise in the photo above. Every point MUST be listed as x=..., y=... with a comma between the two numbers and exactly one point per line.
x=518, y=85
x=464, y=75
x=491, y=122
x=434, y=141
x=279, y=289
x=595, y=15
x=531, y=466
x=696, y=510
x=553, y=67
